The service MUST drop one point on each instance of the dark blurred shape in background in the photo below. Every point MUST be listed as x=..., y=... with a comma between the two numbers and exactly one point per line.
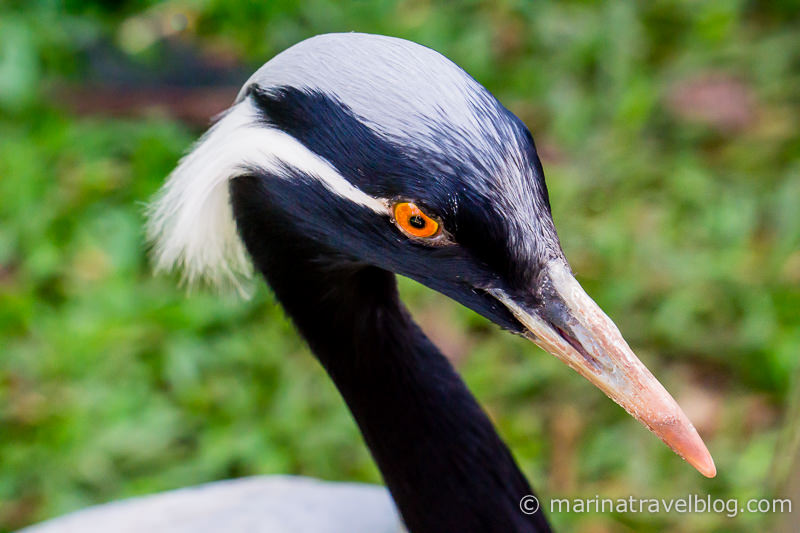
x=185, y=82
x=669, y=135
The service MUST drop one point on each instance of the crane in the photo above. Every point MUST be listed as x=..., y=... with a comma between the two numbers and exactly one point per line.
x=348, y=159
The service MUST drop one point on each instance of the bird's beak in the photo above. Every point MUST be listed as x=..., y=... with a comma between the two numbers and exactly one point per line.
x=571, y=326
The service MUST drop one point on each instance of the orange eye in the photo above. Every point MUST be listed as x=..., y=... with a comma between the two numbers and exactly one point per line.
x=413, y=221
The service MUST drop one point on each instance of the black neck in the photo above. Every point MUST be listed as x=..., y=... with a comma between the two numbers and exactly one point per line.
x=446, y=467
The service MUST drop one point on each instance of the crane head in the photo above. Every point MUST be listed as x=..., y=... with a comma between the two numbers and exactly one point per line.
x=378, y=151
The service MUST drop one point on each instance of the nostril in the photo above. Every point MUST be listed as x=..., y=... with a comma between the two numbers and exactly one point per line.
x=578, y=346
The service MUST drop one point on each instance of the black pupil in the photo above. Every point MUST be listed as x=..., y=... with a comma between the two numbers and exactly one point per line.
x=416, y=221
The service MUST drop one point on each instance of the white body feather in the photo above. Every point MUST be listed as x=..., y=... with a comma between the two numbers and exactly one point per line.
x=273, y=504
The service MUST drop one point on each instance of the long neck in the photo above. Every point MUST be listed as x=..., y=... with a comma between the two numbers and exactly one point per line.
x=441, y=458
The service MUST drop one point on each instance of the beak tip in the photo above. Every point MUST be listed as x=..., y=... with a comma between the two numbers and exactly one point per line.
x=680, y=435
x=705, y=465
x=694, y=451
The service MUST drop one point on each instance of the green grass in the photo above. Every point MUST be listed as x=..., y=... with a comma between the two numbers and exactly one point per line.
x=685, y=229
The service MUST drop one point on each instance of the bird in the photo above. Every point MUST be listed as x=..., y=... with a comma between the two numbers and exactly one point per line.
x=349, y=159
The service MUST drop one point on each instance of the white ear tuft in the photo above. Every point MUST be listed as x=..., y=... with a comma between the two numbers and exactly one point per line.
x=190, y=223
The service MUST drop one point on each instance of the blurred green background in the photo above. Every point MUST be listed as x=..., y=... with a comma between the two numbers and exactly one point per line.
x=669, y=135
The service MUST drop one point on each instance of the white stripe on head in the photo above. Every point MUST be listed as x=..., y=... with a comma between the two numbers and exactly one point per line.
x=191, y=225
